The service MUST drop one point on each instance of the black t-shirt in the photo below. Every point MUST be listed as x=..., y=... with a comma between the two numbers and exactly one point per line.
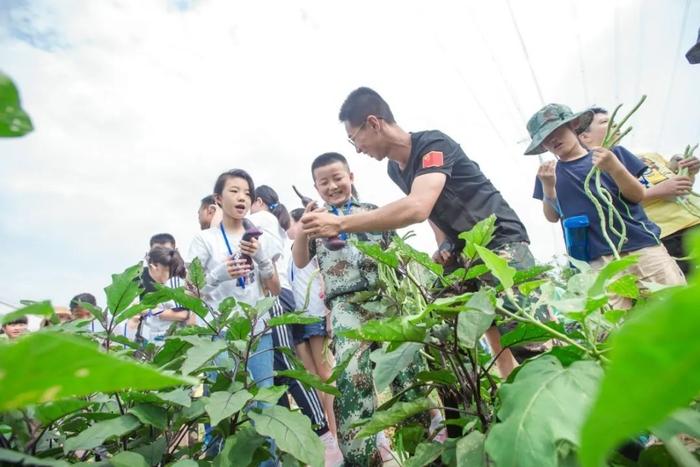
x=467, y=197
x=147, y=283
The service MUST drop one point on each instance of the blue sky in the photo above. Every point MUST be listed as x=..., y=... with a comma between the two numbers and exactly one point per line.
x=139, y=105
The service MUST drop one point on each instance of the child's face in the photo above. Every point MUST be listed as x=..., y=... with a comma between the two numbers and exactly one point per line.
x=14, y=330
x=81, y=313
x=159, y=272
x=334, y=183
x=235, y=198
x=595, y=134
x=562, y=141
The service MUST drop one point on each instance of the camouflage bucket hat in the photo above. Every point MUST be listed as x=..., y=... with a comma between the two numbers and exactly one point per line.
x=693, y=54
x=549, y=118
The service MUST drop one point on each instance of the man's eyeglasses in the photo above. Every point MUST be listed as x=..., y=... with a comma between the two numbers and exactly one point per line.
x=351, y=139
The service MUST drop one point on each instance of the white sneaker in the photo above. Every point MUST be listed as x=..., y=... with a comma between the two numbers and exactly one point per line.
x=435, y=424
x=333, y=456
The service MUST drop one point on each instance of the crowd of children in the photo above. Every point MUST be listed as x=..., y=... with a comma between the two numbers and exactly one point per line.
x=306, y=260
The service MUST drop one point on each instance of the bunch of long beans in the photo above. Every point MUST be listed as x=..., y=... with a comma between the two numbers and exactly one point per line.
x=613, y=135
x=683, y=200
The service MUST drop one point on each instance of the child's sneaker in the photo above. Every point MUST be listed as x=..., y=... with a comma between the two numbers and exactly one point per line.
x=333, y=456
x=435, y=424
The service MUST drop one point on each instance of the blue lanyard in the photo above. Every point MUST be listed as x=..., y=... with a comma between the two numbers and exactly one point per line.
x=240, y=280
x=346, y=211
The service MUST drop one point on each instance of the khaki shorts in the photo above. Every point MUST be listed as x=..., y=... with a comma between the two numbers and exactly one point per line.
x=654, y=265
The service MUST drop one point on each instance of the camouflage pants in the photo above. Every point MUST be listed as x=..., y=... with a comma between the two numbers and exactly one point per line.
x=357, y=399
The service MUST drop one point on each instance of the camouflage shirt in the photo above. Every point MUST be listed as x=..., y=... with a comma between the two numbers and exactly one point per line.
x=348, y=270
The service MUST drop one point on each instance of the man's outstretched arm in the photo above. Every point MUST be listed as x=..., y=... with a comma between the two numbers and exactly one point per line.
x=412, y=209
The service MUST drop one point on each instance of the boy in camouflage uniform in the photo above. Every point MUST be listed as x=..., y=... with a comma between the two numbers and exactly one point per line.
x=345, y=272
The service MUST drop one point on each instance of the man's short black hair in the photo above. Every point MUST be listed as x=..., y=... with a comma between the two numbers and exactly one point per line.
x=161, y=239
x=20, y=320
x=328, y=158
x=84, y=298
x=296, y=214
x=596, y=110
x=208, y=201
x=361, y=103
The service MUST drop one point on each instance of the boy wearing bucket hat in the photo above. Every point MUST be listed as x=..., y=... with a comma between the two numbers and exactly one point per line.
x=560, y=187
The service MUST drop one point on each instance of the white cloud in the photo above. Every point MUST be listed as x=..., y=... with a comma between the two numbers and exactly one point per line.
x=139, y=105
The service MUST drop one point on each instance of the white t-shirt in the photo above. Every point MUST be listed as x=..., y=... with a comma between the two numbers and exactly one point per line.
x=300, y=285
x=209, y=246
x=280, y=249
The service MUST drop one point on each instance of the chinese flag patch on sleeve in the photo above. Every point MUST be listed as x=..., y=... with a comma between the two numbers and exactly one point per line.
x=432, y=159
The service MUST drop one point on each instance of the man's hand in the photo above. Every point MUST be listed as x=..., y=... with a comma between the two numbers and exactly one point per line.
x=442, y=257
x=692, y=164
x=606, y=161
x=320, y=224
x=547, y=174
x=676, y=186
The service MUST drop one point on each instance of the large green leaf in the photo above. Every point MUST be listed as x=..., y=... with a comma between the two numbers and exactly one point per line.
x=203, y=349
x=375, y=251
x=419, y=257
x=686, y=421
x=195, y=273
x=292, y=318
x=476, y=317
x=43, y=309
x=153, y=452
x=528, y=332
x=654, y=362
x=310, y=380
x=177, y=396
x=545, y=405
x=497, y=265
x=46, y=366
x=425, y=454
x=479, y=235
x=389, y=364
x=291, y=431
x=178, y=295
x=395, y=414
x=98, y=433
x=239, y=448
x=14, y=121
x=388, y=330
x=625, y=286
x=470, y=450
x=124, y=289
x=18, y=458
x=128, y=459
x=609, y=271
x=223, y=404
x=150, y=414
x=52, y=411
x=270, y=394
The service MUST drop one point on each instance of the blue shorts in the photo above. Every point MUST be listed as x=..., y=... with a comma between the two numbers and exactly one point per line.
x=304, y=332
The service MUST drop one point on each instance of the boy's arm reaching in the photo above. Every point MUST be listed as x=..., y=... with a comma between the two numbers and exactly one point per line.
x=629, y=185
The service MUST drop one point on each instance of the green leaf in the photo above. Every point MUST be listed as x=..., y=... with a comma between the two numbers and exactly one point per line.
x=497, y=265
x=660, y=337
x=685, y=421
x=124, y=289
x=239, y=328
x=445, y=377
x=292, y=433
x=36, y=309
x=425, y=454
x=389, y=364
x=263, y=305
x=475, y=319
x=239, y=448
x=176, y=396
x=545, y=405
x=309, y=380
x=52, y=411
x=223, y=404
x=153, y=452
x=270, y=394
x=567, y=354
x=98, y=433
x=395, y=414
x=195, y=274
x=292, y=318
x=526, y=288
x=18, y=458
x=149, y=414
x=14, y=121
x=178, y=295
x=388, y=330
x=460, y=274
x=470, y=450
x=128, y=459
x=480, y=235
x=185, y=463
x=203, y=349
x=625, y=286
x=528, y=332
x=339, y=368
x=419, y=257
x=609, y=271
x=46, y=366
x=171, y=350
x=375, y=251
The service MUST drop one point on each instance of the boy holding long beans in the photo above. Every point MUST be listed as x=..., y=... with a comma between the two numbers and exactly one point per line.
x=560, y=186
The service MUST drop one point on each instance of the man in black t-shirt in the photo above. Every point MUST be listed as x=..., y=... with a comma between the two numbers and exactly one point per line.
x=441, y=184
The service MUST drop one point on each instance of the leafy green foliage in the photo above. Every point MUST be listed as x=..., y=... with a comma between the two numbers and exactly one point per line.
x=14, y=121
x=470, y=450
x=475, y=319
x=389, y=364
x=545, y=405
x=398, y=412
x=223, y=404
x=124, y=289
x=101, y=431
x=310, y=380
x=375, y=251
x=480, y=235
x=239, y=448
x=425, y=454
x=37, y=309
x=46, y=366
x=661, y=338
x=498, y=266
x=388, y=330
